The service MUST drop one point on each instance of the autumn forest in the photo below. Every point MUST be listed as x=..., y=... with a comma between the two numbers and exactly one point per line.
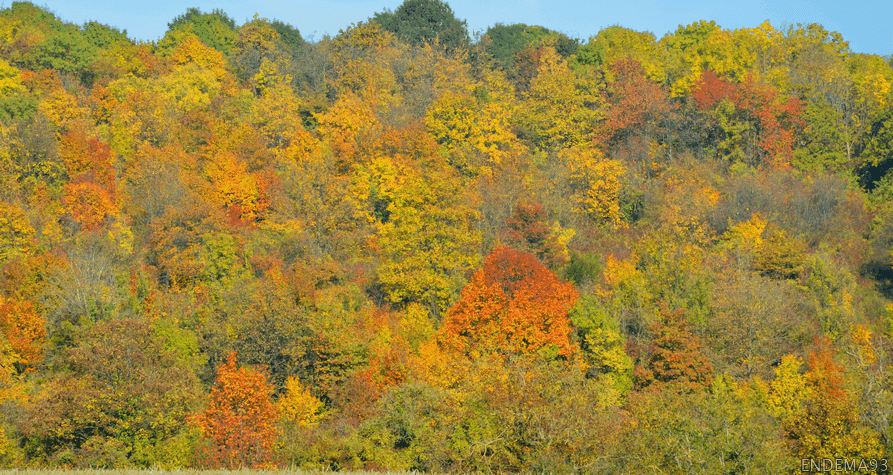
x=407, y=247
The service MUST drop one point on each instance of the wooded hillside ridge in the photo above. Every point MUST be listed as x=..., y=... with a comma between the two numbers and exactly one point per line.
x=402, y=249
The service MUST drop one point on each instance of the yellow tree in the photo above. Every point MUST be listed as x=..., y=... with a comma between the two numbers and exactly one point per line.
x=828, y=425
x=617, y=43
x=349, y=127
x=470, y=128
x=236, y=189
x=560, y=108
x=426, y=232
x=596, y=182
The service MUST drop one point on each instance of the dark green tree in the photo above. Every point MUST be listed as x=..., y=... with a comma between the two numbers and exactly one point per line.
x=423, y=21
x=506, y=41
x=288, y=35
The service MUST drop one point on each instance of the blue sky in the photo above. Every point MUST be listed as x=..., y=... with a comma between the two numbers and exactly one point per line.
x=866, y=24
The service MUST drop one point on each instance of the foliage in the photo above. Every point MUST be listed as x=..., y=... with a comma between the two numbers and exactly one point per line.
x=298, y=405
x=829, y=425
x=676, y=358
x=375, y=224
x=529, y=230
x=506, y=41
x=560, y=108
x=239, y=421
x=751, y=121
x=515, y=304
x=121, y=397
x=425, y=21
x=215, y=29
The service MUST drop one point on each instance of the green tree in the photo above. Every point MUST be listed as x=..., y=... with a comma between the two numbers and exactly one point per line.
x=425, y=21
x=215, y=29
x=506, y=41
x=715, y=431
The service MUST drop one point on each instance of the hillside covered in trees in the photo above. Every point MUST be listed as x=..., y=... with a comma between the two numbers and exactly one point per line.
x=402, y=247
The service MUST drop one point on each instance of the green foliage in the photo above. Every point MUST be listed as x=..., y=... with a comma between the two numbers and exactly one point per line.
x=520, y=415
x=602, y=344
x=215, y=29
x=103, y=36
x=506, y=41
x=618, y=43
x=822, y=138
x=583, y=268
x=222, y=258
x=288, y=35
x=833, y=292
x=425, y=21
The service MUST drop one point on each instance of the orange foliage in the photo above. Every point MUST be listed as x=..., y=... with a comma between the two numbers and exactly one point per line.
x=89, y=204
x=676, y=357
x=240, y=420
x=830, y=424
x=772, y=117
x=23, y=328
x=88, y=159
x=241, y=192
x=514, y=303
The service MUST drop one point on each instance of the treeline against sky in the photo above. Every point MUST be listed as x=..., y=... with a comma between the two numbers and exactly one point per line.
x=400, y=248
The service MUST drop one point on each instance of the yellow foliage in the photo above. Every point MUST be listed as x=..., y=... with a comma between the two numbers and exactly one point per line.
x=277, y=115
x=345, y=125
x=303, y=147
x=866, y=352
x=235, y=186
x=560, y=108
x=380, y=188
x=439, y=367
x=11, y=387
x=788, y=391
x=416, y=326
x=460, y=122
x=122, y=235
x=597, y=180
x=189, y=88
x=748, y=235
x=617, y=43
x=270, y=76
x=16, y=233
x=193, y=51
x=10, y=82
x=62, y=108
x=298, y=405
x=617, y=272
x=362, y=56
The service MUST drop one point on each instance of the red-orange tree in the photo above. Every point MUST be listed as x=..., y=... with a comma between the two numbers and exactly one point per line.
x=514, y=303
x=749, y=121
x=240, y=421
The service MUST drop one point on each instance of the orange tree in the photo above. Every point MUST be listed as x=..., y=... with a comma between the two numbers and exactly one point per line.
x=239, y=422
x=513, y=303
